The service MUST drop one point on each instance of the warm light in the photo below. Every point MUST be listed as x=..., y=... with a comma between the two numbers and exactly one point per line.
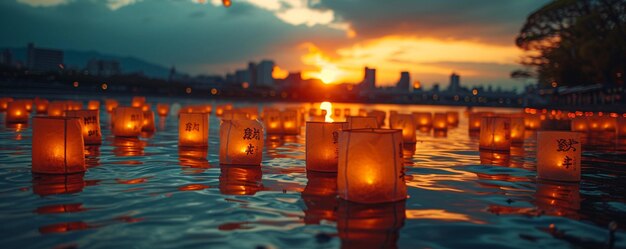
x=163, y=109
x=104, y=86
x=495, y=133
x=440, y=122
x=148, y=121
x=370, y=225
x=127, y=121
x=93, y=105
x=518, y=129
x=474, y=91
x=558, y=155
x=16, y=112
x=405, y=123
x=57, y=146
x=110, y=105
x=90, y=119
x=226, y=3
x=241, y=142
x=358, y=122
x=57, y=108
x=328, y=107
x=322, y=141
x=272, y=122
x=193, y=129
x=138, y=101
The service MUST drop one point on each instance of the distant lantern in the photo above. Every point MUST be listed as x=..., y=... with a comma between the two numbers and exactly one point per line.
x=475, y=118
x=4, y=103
x=110, y=105
x=16, y=112
x=440, y=121
x=347, y=112
x=608, y=123
x=90, y=119
x=358, y=122
x=219, y=109
x=621, y=126
x=163, y=109
x=41, y=105
x=405, y=123
x=138, y=101
x=57, y=108
x=74, y=105
x=290, y=121
x=146, y=107
x=518, y=129
x=58, y=146
x=148, y=121
x=127, y=121
x=322, y=140
x=379, y=115
x=234, y=115
x=227, y=3
x=93, y=105
x=579, y=124
x=271, y=120
x=453, y=118
x=193, y=129
x=495, y=133
x=370, y=166
x=532, y=121
x=558, y=155
x=423, y=119
x=241, y=142
x=28, y=103
x=240, y=180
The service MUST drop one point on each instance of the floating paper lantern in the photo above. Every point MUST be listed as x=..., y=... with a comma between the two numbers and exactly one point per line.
x=240, y=180
x=138, y=101
x=440, y=121
x=322, y=145
x=495, y=133
x=193, y=129
x=148, y=121
x=251, y=111
x=579, y=124
x=28, y=104
x=58, y=146
x=127, y=121
x=405, y=123
x=41, y=105
x=370, y=166
x=370, y=225
x=271, y=120
x=93, y=105
x=423, y=119
x=74, y=105
x=110, y=105
x=4, y=103
x=379, y=115
x=608, y=123
x=358, y=122
x=347, y=112
x=163, y=109
x=90, y=119
x=532, y=122
x=621, y=126
x=362, y=113
x=234, y=115
x=57, y=108
x=16, y=112
x=219, y=110
x=241, y=142
x=558, y=155
x=518, y=128
x=290, y=122
x=452, y=118
x=320, y=197
x=146, y=107
x=475, y=118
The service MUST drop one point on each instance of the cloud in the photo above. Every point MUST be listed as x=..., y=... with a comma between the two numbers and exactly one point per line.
x=116, y=4
x=43, y=3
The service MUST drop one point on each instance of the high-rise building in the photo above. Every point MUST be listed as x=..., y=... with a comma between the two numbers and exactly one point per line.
x=404, y=84
x=6, y=57
x=242, y=75
x=104, y=67
x=455, y=83
x=369, y=79
x=264, y=73
x=43, y=60
x=252, y=73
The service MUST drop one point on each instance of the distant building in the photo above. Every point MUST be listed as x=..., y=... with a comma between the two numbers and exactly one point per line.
x=369, y=79
x=252, y=73
x=264, y=73
x=455, y=83
x=242, y=75
x=43, y=60
x=404, y=84
x=6, y=57
x=105, y=68
x=293, y=80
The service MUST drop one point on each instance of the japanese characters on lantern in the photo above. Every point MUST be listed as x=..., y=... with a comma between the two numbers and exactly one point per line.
x=370, y=166
x=58, y=146
x=90, y=119
x=322, y=140
x=405, y=123
x=241, y=142
x=127, y=121
x=193, y=129
x=558, y=155
x=495, y=133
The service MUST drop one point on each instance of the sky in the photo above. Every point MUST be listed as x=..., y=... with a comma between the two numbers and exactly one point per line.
x=328, y=39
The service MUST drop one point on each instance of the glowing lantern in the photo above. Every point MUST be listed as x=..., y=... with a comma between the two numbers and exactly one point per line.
x=440, y=122
x=290, y=121
x=28, y=104
x=405, y=123
x=234, y=115
x=163, y=109
x=320, y=197
x=240, y=180
x=337, y=113
x=219, y=110
x=90, y=119
x=608, y=123
x=271, y=120
x=423, y=119
x=475, y=118
x=358, y=122
x=41, y=105
x=241, y=142
x=148, y=121
x=621, y=126
x=16, y=112
x=127, y=121
x=518, y=128
x=146, y=107
x=193, y=129
x=347, y=112
x=579, y=124
x=227, y=3
x=370, y=167
x=362, y=113
x=532, y=122
x=453, y=118
x=4, y=103
x=58, y=146
x=93, y=105
x=495, y=133
x=57, y=108
x=74, y=105
x=138, y=101
x=322, y=145
x=558, y=155
x=110, y=105
x=252, y=112
x=379, y=115
x=370, y=225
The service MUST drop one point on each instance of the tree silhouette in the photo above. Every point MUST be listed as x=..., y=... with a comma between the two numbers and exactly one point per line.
x=575, y=42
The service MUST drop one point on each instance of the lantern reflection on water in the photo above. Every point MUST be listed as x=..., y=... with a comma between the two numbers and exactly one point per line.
x=320, y=197
x=357, y=122
x=46, y=184
x=558, y=198
x=370, y=166
x=322, y=145
x=370, y=225
x=405, y=123
x=16, y=112
x=240, y=180
x=90, y=120
x=194, y=157
x=495, y=133
x=127, y=121
x=558, y=155
x=193, y=129
x=128, y=146
x=241, y=142
x=57, y=146
x=495, y=158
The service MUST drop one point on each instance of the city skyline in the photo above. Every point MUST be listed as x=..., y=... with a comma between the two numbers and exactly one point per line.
x=326, y=40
